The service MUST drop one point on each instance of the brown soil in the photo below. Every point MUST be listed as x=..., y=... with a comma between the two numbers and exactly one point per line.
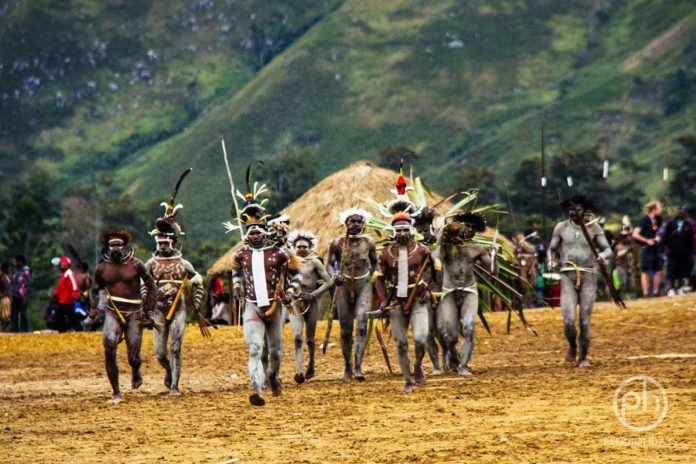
x=523, y=404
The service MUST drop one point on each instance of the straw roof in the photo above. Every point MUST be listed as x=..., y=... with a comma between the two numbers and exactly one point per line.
x=318, y=209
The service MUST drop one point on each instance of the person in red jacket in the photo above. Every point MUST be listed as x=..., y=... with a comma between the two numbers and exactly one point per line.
x=65, y=295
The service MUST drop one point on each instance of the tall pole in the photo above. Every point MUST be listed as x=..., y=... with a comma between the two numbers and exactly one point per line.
x=543, y=187
x=232, y=190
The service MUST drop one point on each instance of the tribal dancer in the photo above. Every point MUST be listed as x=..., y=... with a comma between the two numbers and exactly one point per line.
x=458, y=307
x=172, y=274
x=354, y=298
x=578, y=269
x=423, y=223
x=263, y=269
x=119, y=276
x=401, y=267
x=305, y=312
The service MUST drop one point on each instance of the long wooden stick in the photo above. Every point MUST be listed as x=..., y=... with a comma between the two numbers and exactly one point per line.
x=170, y=314
x=414, y=290
x=607, y=279
x=232, y=190
x=383, y=346
x=115, y=308
x=334, y=300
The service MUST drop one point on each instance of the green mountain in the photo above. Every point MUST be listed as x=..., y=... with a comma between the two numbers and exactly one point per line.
x=143, y=90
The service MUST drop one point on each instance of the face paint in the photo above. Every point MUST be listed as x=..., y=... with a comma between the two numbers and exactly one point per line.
x=302, y=248
x=402, y=232
x=255, y=237
x=116, y=250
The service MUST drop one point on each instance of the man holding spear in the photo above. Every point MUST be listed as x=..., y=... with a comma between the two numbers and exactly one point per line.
x=401, y=267
x=355, y=257
x=173, y=274
x=583, y=251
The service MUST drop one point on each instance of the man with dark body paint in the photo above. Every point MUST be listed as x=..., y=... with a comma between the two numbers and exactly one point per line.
x=578, y=269
x=354, y=298
x=458, y=309
x=119, y=275
x=305, y=310
x=399, y=267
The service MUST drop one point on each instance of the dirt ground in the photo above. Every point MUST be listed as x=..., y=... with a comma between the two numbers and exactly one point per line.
x=523, y=404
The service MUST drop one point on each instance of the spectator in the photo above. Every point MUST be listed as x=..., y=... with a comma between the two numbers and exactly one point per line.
x=678, y=247
x=623, y=261
x=66, y=294
x=21, y=287
x=646, y=234
x=218, y=301
x=5, y=296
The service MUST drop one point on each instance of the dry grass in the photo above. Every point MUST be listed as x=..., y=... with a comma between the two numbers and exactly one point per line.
x=318, y=209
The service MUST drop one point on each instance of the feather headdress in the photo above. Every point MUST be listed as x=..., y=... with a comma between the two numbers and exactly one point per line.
x=254, y=209
x=167, y=225
x=355, y=211
x=305, y=235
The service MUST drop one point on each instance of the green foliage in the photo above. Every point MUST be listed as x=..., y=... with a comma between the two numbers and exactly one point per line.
x=678, y=91
x=681, y=186
x=289, y=172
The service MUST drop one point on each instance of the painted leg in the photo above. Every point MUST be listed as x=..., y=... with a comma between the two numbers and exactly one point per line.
x=297, y=323
x=311, y=317
x=176, y=330
x=274, y=333
x=448, y=326
x=469, y=312
x=160, y=339
x=111, y=335
x=399, y=325
x=431, y=345
x=346, y=318
x=134, y=338
x=420, y=325
x=588, y=294
x=569, y=300
x=254, y=334
x=363, y=305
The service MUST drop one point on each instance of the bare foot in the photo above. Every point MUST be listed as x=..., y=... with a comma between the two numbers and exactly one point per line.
x=309, y=373
x=115, y=399
x=174, y=392
x=257, y=399
x=408, y=388
x=464, y=372
x=436, y=371
x=570, y=357
x=347, y=376
x=299, y=378
x=420, y=375
x=276, y=386
x=137, y=379
x=359, y=376
x=584, y=363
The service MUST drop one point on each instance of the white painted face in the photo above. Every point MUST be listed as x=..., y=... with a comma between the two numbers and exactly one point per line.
x=302, y=248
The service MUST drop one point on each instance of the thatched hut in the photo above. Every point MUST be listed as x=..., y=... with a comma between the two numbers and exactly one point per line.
x=318, y=209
